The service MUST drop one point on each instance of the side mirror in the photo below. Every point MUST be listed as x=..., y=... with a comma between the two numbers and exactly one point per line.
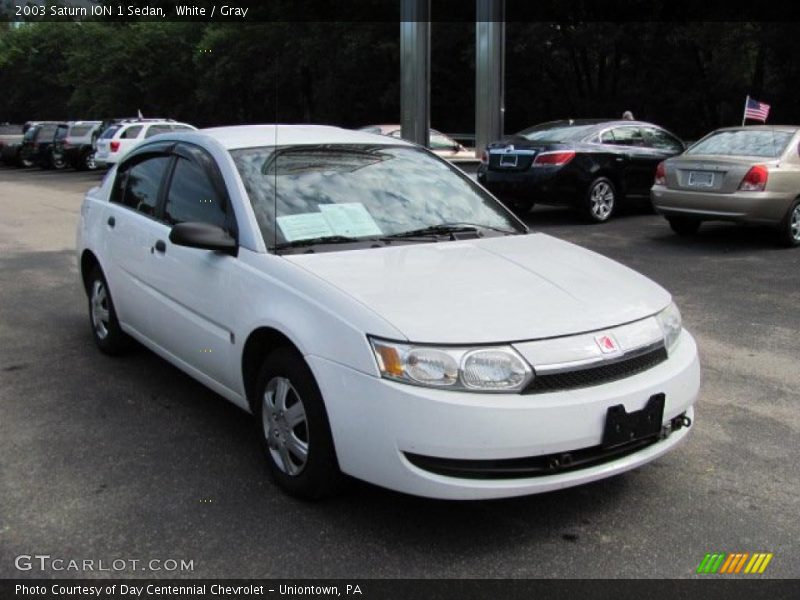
x=203, y=236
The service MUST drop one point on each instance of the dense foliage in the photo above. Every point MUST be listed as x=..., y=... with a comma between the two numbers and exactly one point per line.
x=689, y=77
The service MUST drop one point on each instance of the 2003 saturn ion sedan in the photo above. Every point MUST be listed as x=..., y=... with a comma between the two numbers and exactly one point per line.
x=382, y=315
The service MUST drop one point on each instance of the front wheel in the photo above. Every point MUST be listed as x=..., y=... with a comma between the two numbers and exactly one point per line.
x=107, y=333
x=601, y=200
x=684, y=226
x=294, y=427
x=789, y=234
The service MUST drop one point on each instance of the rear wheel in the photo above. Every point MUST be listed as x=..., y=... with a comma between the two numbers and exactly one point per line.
x=519, y=207
x=790, y=226
x=683, y=225
x=294, y=427
x=87, y=163
x=601, y=200
x=57, y=161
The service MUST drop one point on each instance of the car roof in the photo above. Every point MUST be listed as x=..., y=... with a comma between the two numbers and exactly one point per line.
x=390, y=127
x=252, y=136
x=786, y=128
x=599, y=122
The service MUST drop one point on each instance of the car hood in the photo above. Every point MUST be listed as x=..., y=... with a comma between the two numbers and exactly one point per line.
x=489, y=290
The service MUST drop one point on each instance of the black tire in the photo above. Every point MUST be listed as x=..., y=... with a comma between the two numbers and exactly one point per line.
x=683, y=225
x=601, y=200
x=316, y=475
x=519, y=207
x=57, y=163
x=106, y=332
x=789, y=232
x=86, y=163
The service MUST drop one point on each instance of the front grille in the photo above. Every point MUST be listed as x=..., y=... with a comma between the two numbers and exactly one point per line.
x=611, y=371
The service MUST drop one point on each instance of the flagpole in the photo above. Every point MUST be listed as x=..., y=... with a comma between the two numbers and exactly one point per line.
x=746, y=102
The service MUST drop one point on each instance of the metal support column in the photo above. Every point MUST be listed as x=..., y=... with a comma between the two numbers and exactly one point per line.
x=415, y=70
x=490, y=32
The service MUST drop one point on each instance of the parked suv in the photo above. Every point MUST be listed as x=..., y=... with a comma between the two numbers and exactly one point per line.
x=78, y=146
x=120, y=138
x=37, y=143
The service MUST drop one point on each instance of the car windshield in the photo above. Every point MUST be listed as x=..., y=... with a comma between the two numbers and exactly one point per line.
x=743, y=142
x=347, y=192
x=557, y=132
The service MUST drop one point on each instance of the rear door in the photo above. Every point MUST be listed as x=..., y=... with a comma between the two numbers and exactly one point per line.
x=196, y=288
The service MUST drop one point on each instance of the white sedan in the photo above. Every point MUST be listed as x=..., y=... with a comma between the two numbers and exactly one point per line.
x=381, y=315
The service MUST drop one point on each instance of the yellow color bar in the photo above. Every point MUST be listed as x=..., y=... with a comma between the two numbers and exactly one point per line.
x=754, y=564
x=764, y=564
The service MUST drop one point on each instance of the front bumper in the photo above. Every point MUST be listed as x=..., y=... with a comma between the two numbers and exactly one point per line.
x=376, y=423
x=744, y=207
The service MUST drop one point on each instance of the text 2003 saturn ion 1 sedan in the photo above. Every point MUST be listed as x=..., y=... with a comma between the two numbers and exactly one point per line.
x=382, y=315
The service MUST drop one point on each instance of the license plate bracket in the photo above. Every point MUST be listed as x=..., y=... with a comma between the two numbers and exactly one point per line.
x=622, y=427
x=508, y=160
x=701, y=178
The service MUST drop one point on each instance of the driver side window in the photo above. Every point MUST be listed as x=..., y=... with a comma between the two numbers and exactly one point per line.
x=193, y=197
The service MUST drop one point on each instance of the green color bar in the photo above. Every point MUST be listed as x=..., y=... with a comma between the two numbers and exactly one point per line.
x=718, y=564
x=702, y=566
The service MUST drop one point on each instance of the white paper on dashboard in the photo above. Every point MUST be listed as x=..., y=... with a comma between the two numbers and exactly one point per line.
x=304, y=226
x=351, y=219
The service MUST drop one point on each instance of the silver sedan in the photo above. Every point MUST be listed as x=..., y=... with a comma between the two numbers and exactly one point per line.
x=740, y=174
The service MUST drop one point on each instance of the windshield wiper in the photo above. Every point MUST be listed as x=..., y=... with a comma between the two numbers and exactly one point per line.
x=446, y=228
x=326, y=239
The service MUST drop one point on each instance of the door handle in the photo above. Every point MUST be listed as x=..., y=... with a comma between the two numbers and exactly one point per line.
x=160, y=246
x=111, y=222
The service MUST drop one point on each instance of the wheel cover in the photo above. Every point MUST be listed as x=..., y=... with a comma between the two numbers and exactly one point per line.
x=89, y=161
x=601, y=200
x=794, y=224
x=283, y=417
x=99, y=309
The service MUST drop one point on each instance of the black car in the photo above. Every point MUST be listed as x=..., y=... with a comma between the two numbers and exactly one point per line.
x=590, y=164
x=77, y=148
x=38, y=141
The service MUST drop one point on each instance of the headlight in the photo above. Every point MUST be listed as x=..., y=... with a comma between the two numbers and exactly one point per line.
x=670, y=321
x=484, y=369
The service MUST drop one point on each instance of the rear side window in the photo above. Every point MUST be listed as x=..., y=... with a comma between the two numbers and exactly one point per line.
x=625, y=136
x=61, y=132
x=137, y=186
x=192, y=196
x=156, y=129
x=80, y=130
x=109, y=133
x=46, y=132
x=131, y=132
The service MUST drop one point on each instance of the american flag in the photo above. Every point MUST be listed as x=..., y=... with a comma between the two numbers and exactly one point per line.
x=756, y=110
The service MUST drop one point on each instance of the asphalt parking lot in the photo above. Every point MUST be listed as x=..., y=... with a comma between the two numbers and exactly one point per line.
x=129, y=458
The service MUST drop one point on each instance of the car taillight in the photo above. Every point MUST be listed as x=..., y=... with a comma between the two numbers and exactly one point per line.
x=661, y=174
x=485, y=157
x=553, y=159
x=755, y=180
x=114, y=146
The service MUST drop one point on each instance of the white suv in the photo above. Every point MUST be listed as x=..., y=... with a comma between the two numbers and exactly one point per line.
x=120, y=138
